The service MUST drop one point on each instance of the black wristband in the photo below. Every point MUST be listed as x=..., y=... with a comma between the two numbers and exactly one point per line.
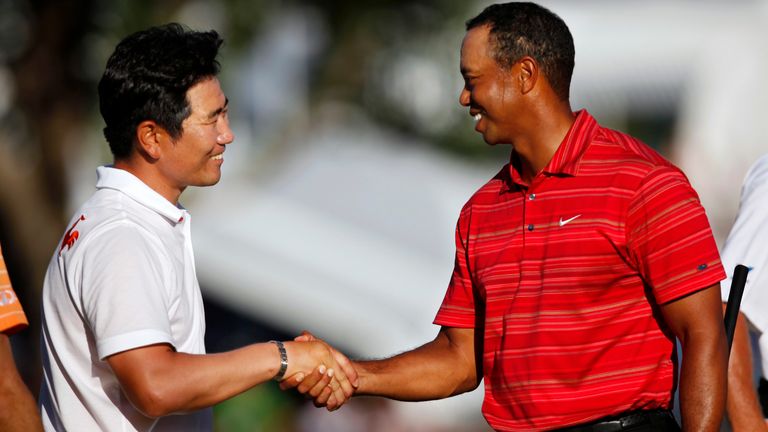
x=283, y=361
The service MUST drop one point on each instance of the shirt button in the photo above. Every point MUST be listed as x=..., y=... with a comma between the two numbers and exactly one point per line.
x=530, y=227
x=702, y=267
x=532, y=197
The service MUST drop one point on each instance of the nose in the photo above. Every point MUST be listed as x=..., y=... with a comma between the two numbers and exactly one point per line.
x=464, y=97
x=225, y=138
x=226, y=135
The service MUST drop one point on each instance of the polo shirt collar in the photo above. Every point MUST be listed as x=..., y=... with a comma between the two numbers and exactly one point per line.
x=567, y=157
x=109, y=177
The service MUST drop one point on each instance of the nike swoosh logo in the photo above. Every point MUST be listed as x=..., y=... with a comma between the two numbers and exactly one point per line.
x=563, y=222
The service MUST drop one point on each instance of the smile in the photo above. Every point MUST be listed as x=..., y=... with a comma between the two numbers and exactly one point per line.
x=477, y=117
x=219, y=156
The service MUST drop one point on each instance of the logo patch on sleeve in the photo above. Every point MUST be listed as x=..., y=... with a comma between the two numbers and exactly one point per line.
x=71, y=236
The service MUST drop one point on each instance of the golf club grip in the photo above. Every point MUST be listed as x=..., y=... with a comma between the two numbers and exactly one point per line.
x=738, y=282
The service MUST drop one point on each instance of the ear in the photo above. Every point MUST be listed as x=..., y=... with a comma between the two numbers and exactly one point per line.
x=528, y=75
x=149, y=136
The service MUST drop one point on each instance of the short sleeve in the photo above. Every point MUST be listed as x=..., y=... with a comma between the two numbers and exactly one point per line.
x=123, y=290
x=746, y=245
x=12, y=318
x=669, y=238
x=458, y=307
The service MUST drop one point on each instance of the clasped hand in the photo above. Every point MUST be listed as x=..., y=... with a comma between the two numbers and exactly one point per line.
x=319, y=371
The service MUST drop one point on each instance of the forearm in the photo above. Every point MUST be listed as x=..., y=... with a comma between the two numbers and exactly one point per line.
x=743, y=407
x=18, y=411
x=441, y=368
x=177, y=382
x=160, y=381
x=702, y=386
x=697, y=321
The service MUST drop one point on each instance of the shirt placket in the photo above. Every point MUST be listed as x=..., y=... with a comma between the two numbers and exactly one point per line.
x=532, y=231
x=191, y=272
x=529, y=228
x=186, y=231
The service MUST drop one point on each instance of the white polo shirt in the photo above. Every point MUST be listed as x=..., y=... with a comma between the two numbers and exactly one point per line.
x=122, y=277
x=747, y=244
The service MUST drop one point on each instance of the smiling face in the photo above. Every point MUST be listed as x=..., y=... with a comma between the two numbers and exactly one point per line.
x=489, y=90
x=195, y=158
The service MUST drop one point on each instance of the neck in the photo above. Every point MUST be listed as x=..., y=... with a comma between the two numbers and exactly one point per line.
x=149, y=176
x=548, y=129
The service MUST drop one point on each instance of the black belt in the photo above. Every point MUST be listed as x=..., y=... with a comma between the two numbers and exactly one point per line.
x=661, y=419
x=762, y=390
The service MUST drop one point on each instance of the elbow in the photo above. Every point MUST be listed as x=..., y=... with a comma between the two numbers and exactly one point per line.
x=469, y=380
x=460, y=387
x=154, y=410
x=471, y=383
x=152, y=401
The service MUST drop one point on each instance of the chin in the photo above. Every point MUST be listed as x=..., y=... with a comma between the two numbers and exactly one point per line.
x=494, y=140
x=214, y=178
x=490, y=140
x=207, y=182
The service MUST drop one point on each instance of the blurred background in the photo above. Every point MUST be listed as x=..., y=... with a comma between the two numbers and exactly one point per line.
x=353, y=158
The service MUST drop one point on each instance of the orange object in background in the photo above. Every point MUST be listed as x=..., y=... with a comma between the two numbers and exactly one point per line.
x=12, y=318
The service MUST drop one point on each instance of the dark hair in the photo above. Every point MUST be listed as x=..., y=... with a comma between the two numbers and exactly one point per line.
x=527, y=29
x=147, y=78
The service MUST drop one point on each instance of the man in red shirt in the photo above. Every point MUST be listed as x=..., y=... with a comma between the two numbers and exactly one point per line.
x=577, y=265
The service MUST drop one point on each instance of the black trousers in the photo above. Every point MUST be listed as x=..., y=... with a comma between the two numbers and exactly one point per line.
x=636, y=421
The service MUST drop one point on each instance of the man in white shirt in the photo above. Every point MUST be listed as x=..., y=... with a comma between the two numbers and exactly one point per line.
x=746, y=245
x=123, y=319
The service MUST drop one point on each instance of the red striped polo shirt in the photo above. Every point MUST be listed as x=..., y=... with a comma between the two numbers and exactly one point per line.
x=564, y=276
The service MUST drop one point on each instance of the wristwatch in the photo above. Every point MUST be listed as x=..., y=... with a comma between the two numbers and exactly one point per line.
x=283, y=361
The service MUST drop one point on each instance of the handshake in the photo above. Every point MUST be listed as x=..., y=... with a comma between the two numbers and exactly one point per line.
x=318, y=371
x=439, y=369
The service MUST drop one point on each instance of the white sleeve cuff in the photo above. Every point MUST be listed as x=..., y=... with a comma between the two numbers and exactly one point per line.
x=126, y=341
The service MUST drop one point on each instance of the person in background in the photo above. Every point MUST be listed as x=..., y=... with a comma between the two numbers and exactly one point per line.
x=746, y=244
x=18, y=412
x=123, y=321
x=576, y=266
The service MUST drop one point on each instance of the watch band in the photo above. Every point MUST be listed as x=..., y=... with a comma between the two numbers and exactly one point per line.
x=283, y=361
